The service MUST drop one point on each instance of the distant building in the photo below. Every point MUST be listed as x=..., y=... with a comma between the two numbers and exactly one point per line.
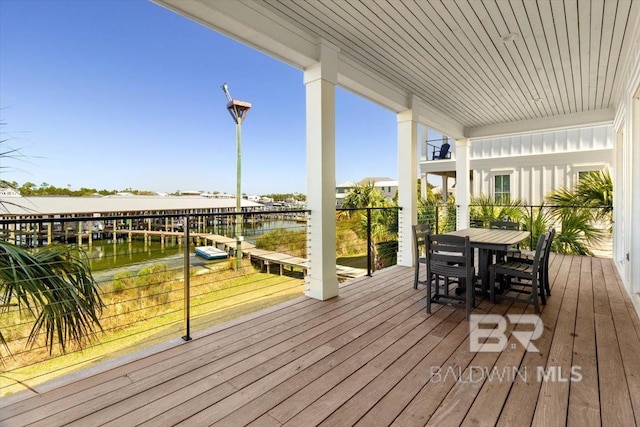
x=112, y=205
x=527, y=166
x=341, y=192
x=385, y=186
x=9, y=192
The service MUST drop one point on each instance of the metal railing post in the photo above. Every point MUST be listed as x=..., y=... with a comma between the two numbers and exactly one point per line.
x=187, y=281
x=437, y=219
x=369, y=242
x=531, y=227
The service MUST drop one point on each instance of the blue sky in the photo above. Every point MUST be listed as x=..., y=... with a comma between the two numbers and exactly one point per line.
x=124, y=93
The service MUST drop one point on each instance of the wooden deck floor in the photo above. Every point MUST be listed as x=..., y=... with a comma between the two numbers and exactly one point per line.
x=374, y=357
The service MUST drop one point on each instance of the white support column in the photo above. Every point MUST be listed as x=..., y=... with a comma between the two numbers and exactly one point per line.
x=407, y=181
x=320, y=80
x=463, y=183
x=445, y=188
x=424, y=184
x=634, y=196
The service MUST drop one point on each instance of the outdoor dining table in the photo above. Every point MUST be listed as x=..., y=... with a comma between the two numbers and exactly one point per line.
x=487, y=241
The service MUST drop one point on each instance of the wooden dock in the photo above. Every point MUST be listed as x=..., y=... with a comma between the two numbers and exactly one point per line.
x=266, y=259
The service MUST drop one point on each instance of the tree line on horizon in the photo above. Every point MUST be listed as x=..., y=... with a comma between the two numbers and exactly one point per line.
x=30, y=189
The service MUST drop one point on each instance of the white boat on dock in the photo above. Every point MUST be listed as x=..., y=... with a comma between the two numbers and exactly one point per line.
x=210, y=252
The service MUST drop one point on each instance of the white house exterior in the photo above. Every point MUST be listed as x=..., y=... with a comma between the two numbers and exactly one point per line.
x=388, y=188
x=341, y=192
x=529, y=166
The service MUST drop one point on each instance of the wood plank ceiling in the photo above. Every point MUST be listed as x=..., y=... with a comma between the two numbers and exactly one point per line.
x=482, y=62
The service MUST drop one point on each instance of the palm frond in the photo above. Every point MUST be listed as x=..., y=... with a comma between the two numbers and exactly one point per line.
x=55, y=286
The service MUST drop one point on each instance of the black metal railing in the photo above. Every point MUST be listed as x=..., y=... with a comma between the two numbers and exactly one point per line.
x=152, y=284
x=155, y=288
x=367, y=237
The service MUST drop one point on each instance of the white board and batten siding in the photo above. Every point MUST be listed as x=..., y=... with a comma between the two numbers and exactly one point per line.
x=538, y=163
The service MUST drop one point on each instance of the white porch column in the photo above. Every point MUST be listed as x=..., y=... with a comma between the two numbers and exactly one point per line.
x=320, y=80
x=407, y=181
x=424, y=179
x=445, y=188
x=463, y=183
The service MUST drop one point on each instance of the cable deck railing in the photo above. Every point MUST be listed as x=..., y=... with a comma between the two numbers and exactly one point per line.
x=154, y=288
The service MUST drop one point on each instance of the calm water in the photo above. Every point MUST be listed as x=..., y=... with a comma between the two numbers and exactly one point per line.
x=107, y=254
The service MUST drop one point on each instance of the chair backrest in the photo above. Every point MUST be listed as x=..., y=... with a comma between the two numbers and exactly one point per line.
x=449, y=256
x=551, y=233
x=420, y=232
x=504, y=225
x=541, y=253
x=444, y=150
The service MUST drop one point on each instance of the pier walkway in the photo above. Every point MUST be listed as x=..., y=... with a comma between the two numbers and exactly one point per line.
x=266, y=259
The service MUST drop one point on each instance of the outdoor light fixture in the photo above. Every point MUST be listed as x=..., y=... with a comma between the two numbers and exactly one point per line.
x=238, y=111
x=509, y=37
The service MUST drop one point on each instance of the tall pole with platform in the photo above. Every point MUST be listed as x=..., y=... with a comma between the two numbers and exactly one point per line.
x=238, y=110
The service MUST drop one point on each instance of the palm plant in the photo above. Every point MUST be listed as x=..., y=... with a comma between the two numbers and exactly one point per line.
x=484, y=209
x=428, y=209
x=593, y=191
x=384, y=224
x=364, y=196
x=53, y=285
x=536, y=221
x=577, y=209
x=441, y=216
x=576, y=234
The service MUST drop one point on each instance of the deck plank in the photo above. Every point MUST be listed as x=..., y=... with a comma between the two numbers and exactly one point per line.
x=628, y=342
x=398, y=325
x=175, y=361
x=421, y=343
x=584, y=401
x=376, y=404
x=488, y=404
x=254, y=381
x=220, y=361
x=553, y=401
x=520, y=405
x=615, y=401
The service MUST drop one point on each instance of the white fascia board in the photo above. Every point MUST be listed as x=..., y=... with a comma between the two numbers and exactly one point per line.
x=438, y=166
x=252, y=25
x=567, y=121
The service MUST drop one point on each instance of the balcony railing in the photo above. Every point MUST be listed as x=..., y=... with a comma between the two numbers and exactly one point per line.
x=155, y=288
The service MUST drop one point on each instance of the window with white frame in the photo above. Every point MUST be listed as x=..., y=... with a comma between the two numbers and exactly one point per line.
x=583, y=171
x=502, y=189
